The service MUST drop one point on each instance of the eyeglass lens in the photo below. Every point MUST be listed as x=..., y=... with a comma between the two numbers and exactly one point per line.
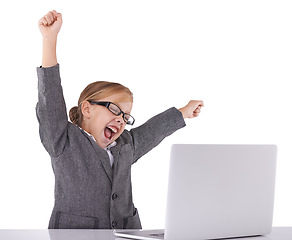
x=117, y=111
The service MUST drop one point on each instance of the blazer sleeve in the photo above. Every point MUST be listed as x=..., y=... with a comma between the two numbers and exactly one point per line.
x=51, y=110
x=151, y=133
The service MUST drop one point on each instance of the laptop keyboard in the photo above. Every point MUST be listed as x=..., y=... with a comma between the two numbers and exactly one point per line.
x=160, y=235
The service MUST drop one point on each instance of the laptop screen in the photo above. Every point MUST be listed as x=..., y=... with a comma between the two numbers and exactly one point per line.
x=219, y=191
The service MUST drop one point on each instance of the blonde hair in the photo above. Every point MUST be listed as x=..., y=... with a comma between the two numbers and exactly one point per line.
x=94, y=92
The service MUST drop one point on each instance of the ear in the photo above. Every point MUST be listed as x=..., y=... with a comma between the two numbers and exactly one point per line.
x=85, y=109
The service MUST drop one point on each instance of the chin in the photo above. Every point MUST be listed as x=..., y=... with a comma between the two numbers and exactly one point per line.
x=105, y=143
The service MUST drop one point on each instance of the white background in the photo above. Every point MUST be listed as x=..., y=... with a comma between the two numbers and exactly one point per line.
x=234, y=55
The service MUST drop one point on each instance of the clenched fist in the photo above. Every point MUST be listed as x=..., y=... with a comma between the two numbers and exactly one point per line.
x=50, y=24
x=192, y=109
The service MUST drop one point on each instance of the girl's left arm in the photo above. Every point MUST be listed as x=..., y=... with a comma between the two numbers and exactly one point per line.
x=151, y=133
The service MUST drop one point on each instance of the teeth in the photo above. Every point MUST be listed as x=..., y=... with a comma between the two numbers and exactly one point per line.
x=113, y=129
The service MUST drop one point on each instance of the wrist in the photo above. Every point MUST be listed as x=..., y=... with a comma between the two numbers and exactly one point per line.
x=49, y=39
x=182, y=112
x=49, y=58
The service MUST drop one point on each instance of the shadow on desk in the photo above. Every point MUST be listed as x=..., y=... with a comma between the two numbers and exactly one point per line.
x=278, y=233
x=78, y=234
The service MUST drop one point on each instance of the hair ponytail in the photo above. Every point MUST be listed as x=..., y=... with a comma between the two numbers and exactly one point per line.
x=74, y=115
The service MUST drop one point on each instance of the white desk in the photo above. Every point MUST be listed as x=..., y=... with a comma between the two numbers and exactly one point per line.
x=278, y=233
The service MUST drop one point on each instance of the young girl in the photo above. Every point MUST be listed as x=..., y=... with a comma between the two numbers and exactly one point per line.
x=92, y=156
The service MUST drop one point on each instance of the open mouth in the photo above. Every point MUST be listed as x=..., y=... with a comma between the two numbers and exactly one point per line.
x=110, y=132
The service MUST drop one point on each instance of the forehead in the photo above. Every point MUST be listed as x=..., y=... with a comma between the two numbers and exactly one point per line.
x=123, y=100
x=119, y=97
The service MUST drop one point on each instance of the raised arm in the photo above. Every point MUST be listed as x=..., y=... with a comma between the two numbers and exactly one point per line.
x=50, y=25
x=150, y=134
x=51, y=108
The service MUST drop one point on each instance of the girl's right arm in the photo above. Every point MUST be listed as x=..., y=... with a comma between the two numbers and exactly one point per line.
x=50, y=25
x=51, y=108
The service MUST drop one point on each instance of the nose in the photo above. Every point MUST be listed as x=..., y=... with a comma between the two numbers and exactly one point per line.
x=120, y=119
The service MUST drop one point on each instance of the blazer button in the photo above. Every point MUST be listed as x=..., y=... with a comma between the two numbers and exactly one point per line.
x=114, y=224
x=114, y=196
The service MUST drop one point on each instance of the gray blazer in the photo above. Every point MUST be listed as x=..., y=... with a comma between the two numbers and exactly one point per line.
x=89, y=193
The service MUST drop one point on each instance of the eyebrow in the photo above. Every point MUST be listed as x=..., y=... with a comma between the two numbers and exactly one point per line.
x=121, y=108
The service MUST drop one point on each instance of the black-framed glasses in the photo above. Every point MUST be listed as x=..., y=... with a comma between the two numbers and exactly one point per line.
x=113, y=108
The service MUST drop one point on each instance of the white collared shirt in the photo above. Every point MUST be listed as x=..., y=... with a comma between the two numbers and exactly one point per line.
x=107, y=149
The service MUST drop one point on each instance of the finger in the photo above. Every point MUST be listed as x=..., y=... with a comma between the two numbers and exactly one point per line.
x=55, y=14
x=50, y=16
x=48, y=20
x=43, y=21
x=59, y=17
x=199, y=102
x=196, y=114
x=196, y=103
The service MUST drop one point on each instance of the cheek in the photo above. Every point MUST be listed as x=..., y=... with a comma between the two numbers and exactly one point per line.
x=102, y=116
x=120, y=132
x=99, y=121
x=123, y=128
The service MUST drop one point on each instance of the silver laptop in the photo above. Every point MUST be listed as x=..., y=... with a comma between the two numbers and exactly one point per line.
x=217, y=191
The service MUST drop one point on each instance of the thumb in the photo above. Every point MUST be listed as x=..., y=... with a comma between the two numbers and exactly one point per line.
x=57, y=16
x=194, y=104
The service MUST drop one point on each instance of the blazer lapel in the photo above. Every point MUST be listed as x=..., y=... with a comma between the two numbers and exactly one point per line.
x=116, y=150
x=102, y=156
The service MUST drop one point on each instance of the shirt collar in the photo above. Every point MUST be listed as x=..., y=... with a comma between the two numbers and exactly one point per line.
x=114, y=143
x=92, y=137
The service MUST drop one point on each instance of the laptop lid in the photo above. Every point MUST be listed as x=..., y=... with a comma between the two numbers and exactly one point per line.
x=220, y=191
x=217, y=191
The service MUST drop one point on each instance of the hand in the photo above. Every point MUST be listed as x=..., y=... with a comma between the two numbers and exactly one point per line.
x=50, y=24
x=192, y=109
